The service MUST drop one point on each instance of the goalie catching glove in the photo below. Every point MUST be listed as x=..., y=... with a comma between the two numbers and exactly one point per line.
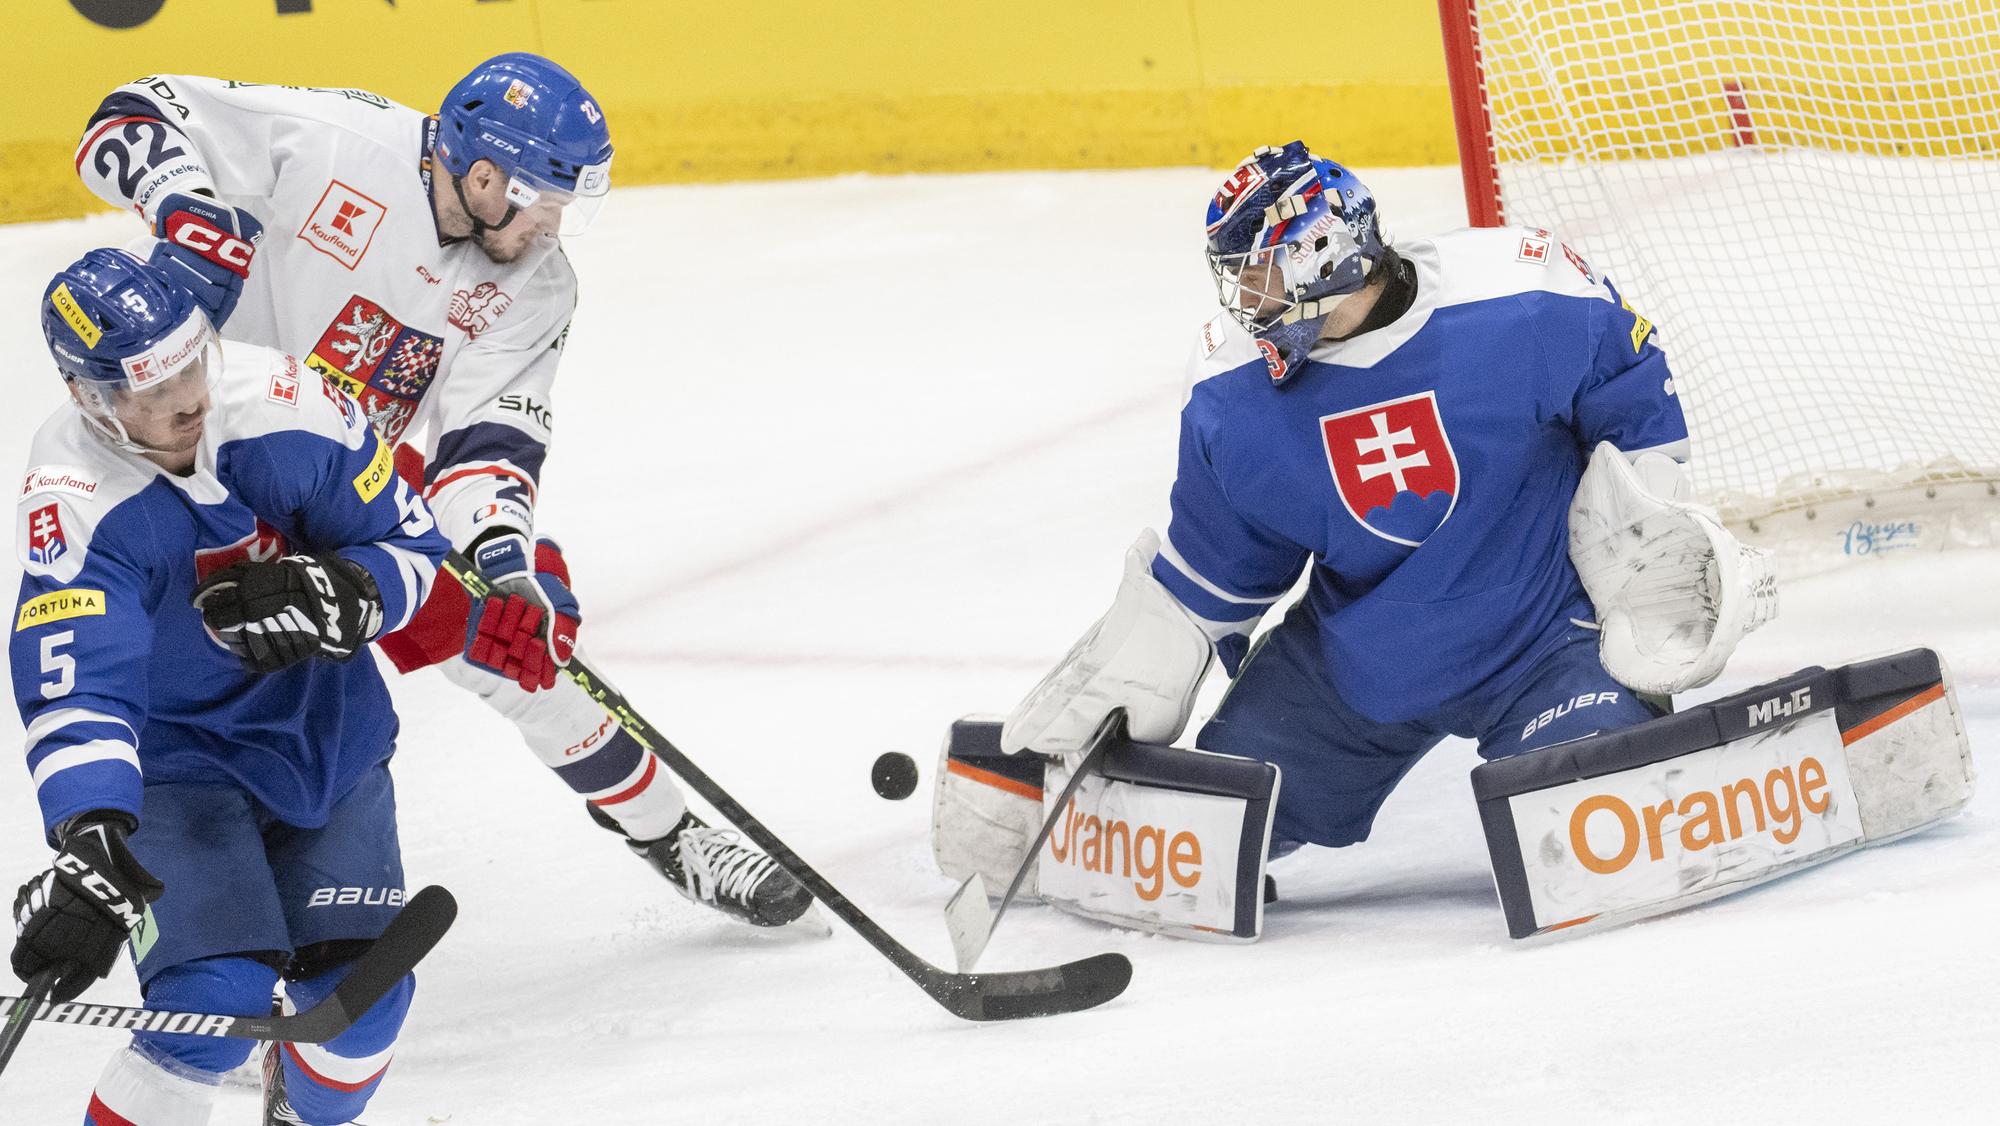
x=277, y=613
x=1145, y=655
x=1673, y=589
x=526, y=630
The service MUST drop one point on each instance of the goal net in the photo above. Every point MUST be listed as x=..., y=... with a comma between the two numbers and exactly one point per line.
x=1805, y=195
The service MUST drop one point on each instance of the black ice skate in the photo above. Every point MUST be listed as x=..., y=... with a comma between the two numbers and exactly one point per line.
x=277, y=1111
x=711, y=867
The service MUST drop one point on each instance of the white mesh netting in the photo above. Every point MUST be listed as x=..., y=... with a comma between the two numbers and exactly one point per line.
x=1804, y=194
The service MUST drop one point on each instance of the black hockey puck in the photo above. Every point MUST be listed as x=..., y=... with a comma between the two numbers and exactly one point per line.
x=894, y=775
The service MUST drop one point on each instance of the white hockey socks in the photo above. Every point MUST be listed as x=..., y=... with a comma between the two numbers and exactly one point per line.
x=139, y=1088
x=584, y=745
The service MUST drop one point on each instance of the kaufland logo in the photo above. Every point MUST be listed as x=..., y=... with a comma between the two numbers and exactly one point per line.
x=344, y=221
x=342, y=224
x=40, y=479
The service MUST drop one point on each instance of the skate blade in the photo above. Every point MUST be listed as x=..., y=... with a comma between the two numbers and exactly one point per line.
x=812, y=924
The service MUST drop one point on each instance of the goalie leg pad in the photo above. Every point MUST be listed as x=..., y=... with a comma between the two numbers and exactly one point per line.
x=1682, y=809
x=1164, y=840
x=986, y=806
x=1159, y=839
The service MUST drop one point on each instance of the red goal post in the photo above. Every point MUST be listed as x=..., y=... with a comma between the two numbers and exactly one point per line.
x=1805, y=195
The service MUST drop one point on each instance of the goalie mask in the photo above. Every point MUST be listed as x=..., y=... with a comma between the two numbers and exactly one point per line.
x=135, y=349
x=1290, y=236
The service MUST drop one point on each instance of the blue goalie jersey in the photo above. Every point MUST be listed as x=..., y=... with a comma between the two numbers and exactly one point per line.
x=1423, y=469
x=119, y=683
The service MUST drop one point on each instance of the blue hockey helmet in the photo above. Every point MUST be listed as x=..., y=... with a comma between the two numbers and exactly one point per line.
x=1289, y=237
x=121, y=330
x=538, y=125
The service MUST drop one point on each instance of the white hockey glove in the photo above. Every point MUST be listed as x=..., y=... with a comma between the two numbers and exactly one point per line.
x=1674, y=591
x=1145, y=655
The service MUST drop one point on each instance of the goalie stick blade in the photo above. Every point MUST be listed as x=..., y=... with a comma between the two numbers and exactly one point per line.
x=969, y=919
x=409, y=936
x=1020, y=994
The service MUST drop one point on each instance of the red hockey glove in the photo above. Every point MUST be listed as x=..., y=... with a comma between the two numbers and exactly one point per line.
x=526, y=630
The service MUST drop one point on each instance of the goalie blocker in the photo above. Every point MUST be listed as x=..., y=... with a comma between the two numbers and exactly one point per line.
x=1160, y=839
x=1723, y=796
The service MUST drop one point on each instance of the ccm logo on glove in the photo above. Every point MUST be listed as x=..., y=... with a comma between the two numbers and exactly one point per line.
x=220, y=247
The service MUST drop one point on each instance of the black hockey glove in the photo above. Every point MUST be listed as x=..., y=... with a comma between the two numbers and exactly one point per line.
x=277, y=613
x=78, y=913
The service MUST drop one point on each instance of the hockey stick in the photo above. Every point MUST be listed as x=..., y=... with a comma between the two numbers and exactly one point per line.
x=966, y=914
x=409, y=936
x=23, y=1008
x=1009, y=995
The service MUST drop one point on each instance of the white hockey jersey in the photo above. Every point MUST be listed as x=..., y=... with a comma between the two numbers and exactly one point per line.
x=443, y=348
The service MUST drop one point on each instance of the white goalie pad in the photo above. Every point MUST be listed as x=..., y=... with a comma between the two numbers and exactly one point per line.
x=1721, y=797
x=986, y=807
x=1159, y=839
x=1674, y=591
x=1145, y=655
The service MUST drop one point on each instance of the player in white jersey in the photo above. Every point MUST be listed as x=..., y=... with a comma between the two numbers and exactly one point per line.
x=412, y=260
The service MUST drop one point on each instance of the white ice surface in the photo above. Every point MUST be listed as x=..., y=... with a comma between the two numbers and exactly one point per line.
x=843, y=460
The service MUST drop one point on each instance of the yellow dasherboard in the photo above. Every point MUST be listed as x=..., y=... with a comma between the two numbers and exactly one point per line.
x=786, y=88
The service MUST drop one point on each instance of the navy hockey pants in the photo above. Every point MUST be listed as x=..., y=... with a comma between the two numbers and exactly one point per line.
x=243, y=892
x=1339, y=766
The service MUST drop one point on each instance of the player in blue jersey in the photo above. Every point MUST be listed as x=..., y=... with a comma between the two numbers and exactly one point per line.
x=208, y=537
x=1471, y=450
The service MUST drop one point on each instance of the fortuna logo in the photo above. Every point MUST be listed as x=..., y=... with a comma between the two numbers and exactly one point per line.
x=1780, y=707
x=59, y=605
x=1707, y=817
x=356, y=897
x=349, y=212
x=1095, y=845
